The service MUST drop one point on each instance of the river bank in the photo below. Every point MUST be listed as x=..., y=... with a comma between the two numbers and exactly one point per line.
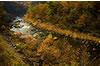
x=44, y=51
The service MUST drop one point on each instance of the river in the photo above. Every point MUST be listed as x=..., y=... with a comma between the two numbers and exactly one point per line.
x=18, y=25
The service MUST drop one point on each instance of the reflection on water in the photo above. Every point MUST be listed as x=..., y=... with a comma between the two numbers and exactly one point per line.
x=19, y=26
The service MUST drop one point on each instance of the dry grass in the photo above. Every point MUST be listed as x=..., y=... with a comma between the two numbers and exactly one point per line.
x=7, y=55
x=63, y=32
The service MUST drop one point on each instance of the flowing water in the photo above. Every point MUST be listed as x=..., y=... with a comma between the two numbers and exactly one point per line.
x=25, y=28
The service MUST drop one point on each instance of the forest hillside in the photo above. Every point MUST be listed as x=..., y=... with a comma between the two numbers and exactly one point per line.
x=52, y=33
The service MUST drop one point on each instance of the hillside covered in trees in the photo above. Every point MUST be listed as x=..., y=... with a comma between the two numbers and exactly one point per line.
x=74, y=15
x=62, y=33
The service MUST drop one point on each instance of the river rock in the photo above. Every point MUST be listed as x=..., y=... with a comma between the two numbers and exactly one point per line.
x=18, y=25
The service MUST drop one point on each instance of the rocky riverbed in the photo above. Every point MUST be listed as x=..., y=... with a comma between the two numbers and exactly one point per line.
x=19, y=26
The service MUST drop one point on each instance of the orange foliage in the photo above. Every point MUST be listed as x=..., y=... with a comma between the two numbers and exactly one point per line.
x=28, y=38
x=64, y=32
x=19, y=34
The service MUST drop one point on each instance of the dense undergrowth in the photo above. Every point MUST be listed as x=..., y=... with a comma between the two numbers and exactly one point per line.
x=72, y=19
x=69, y=47
x=53, y=51
x=85, y=36
x=7, y=55
x=45, y=51
x=72, y=15
x=77, y=17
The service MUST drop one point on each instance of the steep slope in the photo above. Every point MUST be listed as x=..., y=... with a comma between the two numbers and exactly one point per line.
x=81, y=16
x=7, y=55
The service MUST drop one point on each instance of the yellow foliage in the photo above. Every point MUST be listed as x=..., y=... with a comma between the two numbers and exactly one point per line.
x=65, y=32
